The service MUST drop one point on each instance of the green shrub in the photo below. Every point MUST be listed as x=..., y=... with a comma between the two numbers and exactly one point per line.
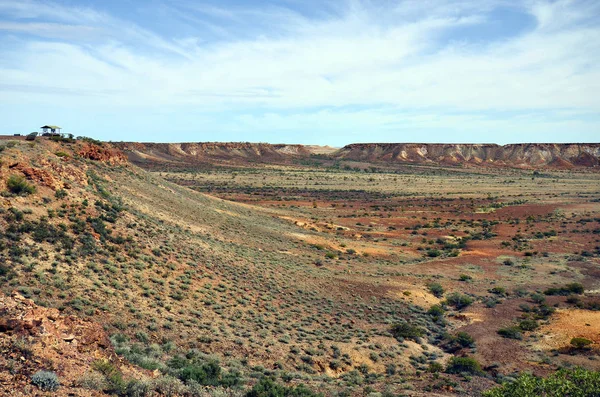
x=114, y=378
x=528, y=325
x=544, y=311
x=572, y=288
x=435, y=367
x=45, y=380
x=577, y=382
x=436, y=311
x=18, y=185
x=510, y=333
x=436, y=289
x=406, y=331
x=206, y=374
x=267, y=387
x=464, y=339
x=461, y=340
x=92, y=381
x=538, y=298
x=469, y=365
x=498, y=291
x=433, y=253
x=581, y=343
x=459, y=301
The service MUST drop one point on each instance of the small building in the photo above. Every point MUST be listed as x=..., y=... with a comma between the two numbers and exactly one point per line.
x=50, y=130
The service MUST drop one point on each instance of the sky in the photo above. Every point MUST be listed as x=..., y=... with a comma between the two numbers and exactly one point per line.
x=328, y=72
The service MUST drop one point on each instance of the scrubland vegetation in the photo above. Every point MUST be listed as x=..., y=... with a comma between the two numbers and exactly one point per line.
x=324, y=278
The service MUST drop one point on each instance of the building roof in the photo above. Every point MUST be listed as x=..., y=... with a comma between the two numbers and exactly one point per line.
x=53, y=127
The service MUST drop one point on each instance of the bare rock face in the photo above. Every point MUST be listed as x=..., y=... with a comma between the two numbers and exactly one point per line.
x=99, y=153
x=34, y=338
x=515, y=155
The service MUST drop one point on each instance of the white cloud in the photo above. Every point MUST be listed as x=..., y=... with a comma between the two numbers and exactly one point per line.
x=363, y=54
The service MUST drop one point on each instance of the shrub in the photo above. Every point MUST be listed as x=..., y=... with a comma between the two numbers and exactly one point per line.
x=465, y=277
x=168, y=386
x=464, y=339
x=45, y=380
x=576, y=382
x=114, y=378
x=266, y=387
x=18, y=185
x=453, y=343
x=572, y=288
x=510, y=333
x=92, y=381
x=458, y=365
x=406, y=331
x=498, y=291
x=538, y=298
x=528, y=325
x=435, y=367
x=207, y=374
x=436, y=289
x=436, y=311
x=433, y=253
x=459, y=301
x=580, y=343
x=544, y=311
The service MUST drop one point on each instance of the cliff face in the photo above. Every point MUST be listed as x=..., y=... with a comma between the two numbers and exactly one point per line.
x=552, y=155
x=515, y=155
x=210, y=152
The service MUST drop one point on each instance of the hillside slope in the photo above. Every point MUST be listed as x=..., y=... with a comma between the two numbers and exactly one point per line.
x=180, y=279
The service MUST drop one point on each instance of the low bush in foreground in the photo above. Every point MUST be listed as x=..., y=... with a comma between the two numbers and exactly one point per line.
x=459, y=365
x=45, y=380
x=406, y=331
x=459, y=301
x=18, y=185
x=576, y=383
x=266, y=387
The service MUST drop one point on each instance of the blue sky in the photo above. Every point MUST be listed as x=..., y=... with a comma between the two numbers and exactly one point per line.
x=303, y=71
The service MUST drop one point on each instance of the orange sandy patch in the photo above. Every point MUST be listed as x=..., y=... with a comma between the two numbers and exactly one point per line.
x=568, y=324
x=418, y=297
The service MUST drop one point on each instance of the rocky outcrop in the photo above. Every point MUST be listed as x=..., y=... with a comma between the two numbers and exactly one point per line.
x=513, y=155
x=34, y=338
x=107, y=155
